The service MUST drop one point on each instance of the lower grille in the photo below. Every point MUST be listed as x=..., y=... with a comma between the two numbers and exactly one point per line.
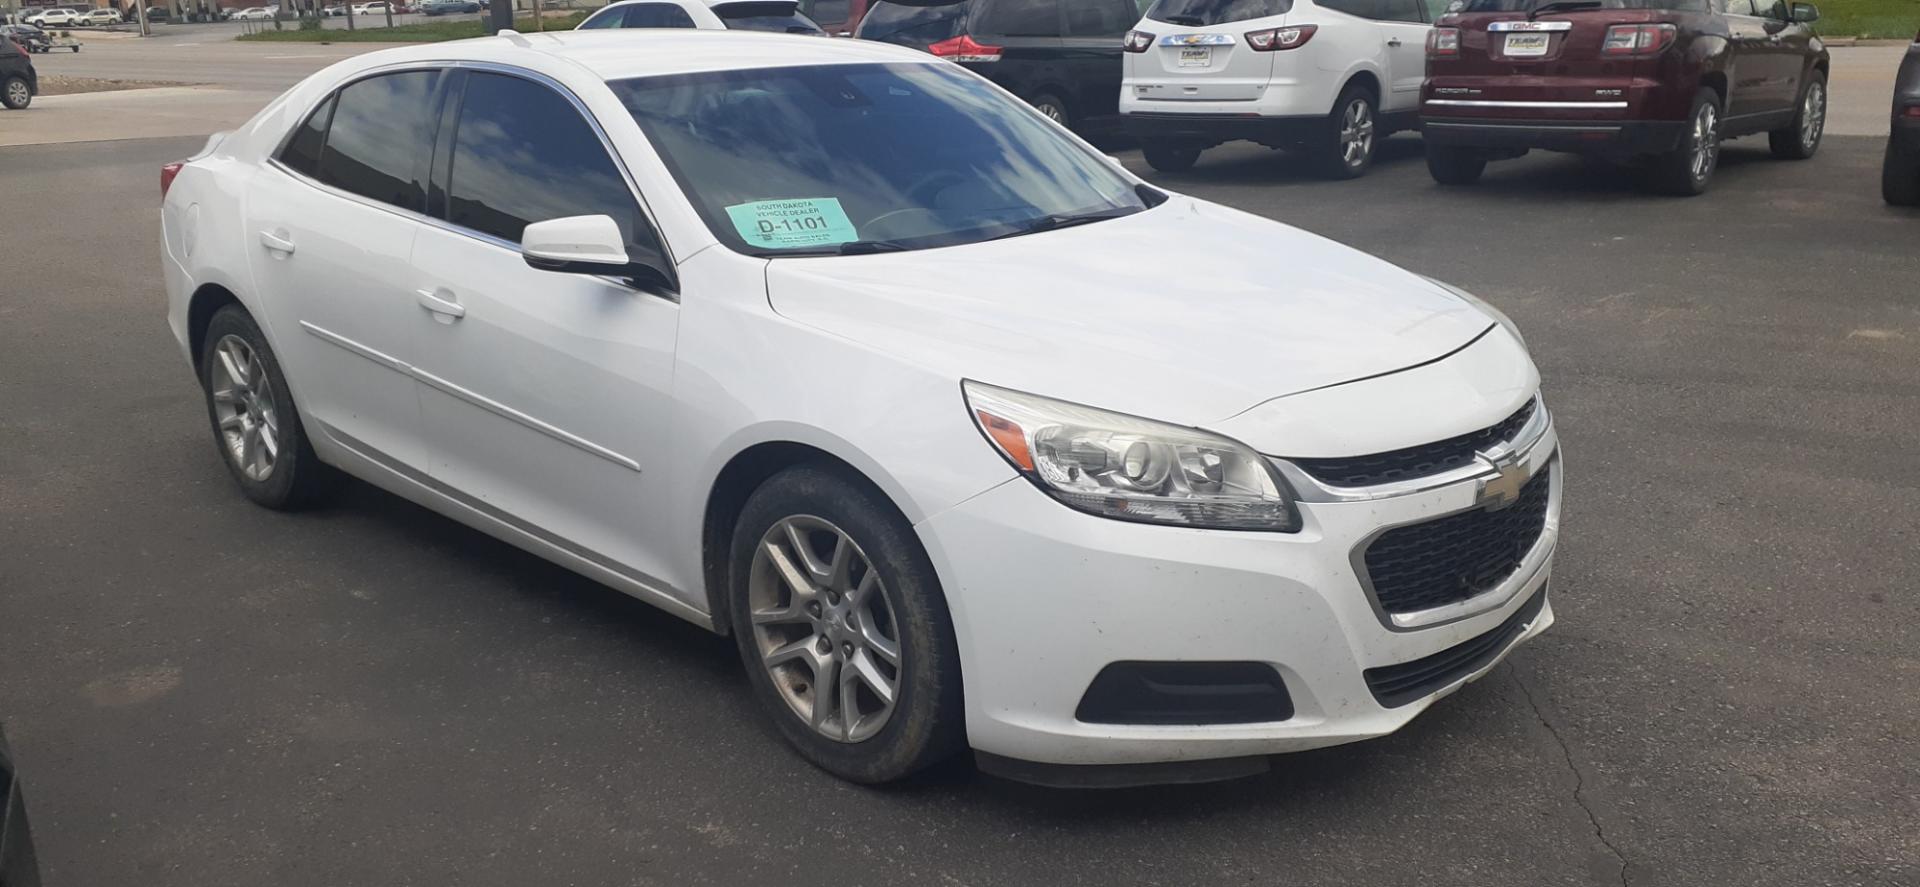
x=1397, y=685
x=1450, y=559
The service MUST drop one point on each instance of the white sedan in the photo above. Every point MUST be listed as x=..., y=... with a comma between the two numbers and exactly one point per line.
x=254, y=13
x=778, y=16
x=371, y=9
x=965, y=434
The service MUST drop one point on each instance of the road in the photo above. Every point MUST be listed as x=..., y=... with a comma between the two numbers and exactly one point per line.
x=204, y=693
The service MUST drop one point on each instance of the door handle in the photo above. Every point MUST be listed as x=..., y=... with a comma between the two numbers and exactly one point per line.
x=445, y=310
x=1394, y=41
x=276, y=243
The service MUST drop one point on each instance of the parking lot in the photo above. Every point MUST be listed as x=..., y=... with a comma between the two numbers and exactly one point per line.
x=202, y=692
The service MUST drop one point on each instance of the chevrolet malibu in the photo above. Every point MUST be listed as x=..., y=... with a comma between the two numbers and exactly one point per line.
x=968, y=437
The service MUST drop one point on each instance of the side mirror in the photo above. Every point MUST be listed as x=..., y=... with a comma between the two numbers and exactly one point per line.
x=591, y=245
x=1805, y=13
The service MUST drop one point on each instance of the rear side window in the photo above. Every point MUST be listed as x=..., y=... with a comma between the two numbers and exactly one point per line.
x=522, y=154
x=1017, y=18
x=375, y=146
x=1196, y=13
x=915, y=23
x=657, y=15
x=605, y=18
x=302, y=151
x=1099, y=18
x=1381, y=10
x=830, y=12
x=777, y=16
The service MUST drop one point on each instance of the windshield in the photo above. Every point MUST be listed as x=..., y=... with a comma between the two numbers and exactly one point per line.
x=820, y=159
x=914, y=24
x=778, y=16
x=1197, y=13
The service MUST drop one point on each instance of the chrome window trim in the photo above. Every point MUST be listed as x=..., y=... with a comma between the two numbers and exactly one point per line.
x=1308, y=488
x=1480, y=103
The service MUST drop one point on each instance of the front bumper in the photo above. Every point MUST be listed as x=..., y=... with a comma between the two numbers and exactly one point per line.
x=1044, y=597
x=1213, y=129
x=1597, y=137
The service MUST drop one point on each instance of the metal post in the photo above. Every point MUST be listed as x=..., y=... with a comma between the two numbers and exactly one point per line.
x=140, y=8
x=389, y=8
x=499, y=16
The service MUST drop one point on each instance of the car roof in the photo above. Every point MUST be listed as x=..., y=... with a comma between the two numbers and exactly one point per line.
x=620, y=53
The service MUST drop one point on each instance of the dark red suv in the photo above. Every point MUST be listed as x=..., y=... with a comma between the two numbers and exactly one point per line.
x=1658, y=82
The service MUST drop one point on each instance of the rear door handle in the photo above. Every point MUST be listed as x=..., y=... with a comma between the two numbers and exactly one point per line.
x=276, y=242
x=444, y=309
x=1394, y=42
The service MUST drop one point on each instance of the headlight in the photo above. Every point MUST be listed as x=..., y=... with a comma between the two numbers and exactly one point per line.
x=1123, y=467
x=1477, y=302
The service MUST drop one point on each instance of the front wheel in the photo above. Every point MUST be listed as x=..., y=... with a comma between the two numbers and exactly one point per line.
x=1352, y=130
x=842, y=626
x=1799, y=139
x=1686, y=170
x=1451, y=165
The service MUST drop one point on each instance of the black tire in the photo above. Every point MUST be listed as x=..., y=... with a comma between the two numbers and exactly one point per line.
x=1351, y=136
x=297, y=478
x=1681, y=172
x=16, y=93
x=1170, y=156
x=1452, y=165
x=926, y=724
x=1054, y=107
x=1900, y=177
x=1799, y=139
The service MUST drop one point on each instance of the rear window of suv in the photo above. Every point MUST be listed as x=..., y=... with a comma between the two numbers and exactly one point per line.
x=915, y=22
x=1197, y=13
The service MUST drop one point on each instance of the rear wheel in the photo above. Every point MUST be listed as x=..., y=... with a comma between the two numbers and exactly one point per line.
x=1452, y=165
x=1053, y=107
x=254, y=421
x=1799, y=139
x=1346, y=149
x=1170, y=156
x=1900, y=177
x=15, y=93
x=1686, y=170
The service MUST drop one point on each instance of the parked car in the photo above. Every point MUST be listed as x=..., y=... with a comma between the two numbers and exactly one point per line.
x=443, y=7
x=54, y=18
x=376, y=8
x=255, y=14
x=162, y=13
x=779, y=16
x=28, y=37
x=102, y=17
x=1061, y=56
x=1659, y=82
x=1900, y=171
x=1327, y=78
x=17, y=865
x=836, y=17
x=19, y=83
x=932, y=513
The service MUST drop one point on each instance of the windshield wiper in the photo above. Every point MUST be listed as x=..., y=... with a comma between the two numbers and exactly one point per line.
x=1056, y=221
x=1563, y=6
x=1191, y=21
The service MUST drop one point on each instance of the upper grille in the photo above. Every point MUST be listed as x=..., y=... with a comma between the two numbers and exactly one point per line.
x=1397, y=685
x=1426, y=565
x=1412, y=462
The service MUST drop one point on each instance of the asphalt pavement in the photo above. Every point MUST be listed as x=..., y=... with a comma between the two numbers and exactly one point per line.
x=200, y=692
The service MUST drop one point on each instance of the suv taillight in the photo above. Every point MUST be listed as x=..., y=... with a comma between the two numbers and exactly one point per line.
x=1443, y=43
x=1137, y=41
x=1290, y=37
x=167, y=173
x=1636, y=39
x=964, y=49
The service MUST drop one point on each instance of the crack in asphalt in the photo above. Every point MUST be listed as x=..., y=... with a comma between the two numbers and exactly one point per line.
x=1579, y=781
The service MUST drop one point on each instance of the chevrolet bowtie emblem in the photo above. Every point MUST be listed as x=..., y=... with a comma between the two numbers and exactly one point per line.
x=1191, y=39
x=1503, y=488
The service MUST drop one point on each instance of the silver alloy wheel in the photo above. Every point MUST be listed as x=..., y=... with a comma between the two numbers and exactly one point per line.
x=243, y=405
x=824, y=627
x=1053, y=112
x=18, y=93
x=1706, y=141
x=1356, y=132
x=1813, y=116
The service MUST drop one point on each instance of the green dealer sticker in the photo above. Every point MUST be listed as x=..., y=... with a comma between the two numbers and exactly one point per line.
x=802, y=221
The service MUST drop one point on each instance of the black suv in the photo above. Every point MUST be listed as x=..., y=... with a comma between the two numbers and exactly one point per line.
x=18, y=82
x=1900, y=176
x=1061, y=56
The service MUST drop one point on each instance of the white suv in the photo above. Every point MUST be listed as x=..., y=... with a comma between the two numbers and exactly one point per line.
x=1326, y=77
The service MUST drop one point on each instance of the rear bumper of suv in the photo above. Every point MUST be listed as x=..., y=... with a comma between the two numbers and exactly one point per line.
x=1579, y=136
x=1212, y=129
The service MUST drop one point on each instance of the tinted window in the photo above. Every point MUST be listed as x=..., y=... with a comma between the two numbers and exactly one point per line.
x=302, y=152
x=914, y=24
x=1770, y=8
x=1017, y=18
x=903, y=156
x=657, y=15
x=827, y=12
x=1524, y=5
x=1099, y=18
x=778, y=16
x=1361, y=8
x=605, y=18
x=522, y=154
x=1195, y=13
x=375, y=146
x=1403, y=10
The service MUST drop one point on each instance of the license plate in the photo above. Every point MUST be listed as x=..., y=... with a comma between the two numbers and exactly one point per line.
x=1524, y=45
x=1196, y=56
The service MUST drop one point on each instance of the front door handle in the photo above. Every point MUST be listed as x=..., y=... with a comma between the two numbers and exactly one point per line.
x=276, y=242
x=444, y=309
x=1395, y=41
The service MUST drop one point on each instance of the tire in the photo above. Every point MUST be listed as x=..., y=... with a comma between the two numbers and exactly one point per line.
x=1053, y=107
x=16, y=93
x=1900, y=177
x=829, y=506
x=1687, y=170
x=1170, y=156
x=1799, y=139
x=1350, y=136
x=254, y=422
x=1451, y=165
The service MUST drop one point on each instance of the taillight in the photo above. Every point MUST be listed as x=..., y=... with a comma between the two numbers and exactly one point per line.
x=1281, y=38
x=964, y=49
x=1636, y=39
x=167, y=173
x=1443, y=42
x=1137, y=41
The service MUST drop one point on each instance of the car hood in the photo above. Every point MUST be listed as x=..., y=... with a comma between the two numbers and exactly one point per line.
x=1189, y=312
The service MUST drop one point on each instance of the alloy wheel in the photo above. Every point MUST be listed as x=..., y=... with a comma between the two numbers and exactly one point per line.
x=244, y=407
x=1706, y=141
x=825, y=628
x=1813, y=116
x=17, y=92
x=1053, y=112
x=1356, y=132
